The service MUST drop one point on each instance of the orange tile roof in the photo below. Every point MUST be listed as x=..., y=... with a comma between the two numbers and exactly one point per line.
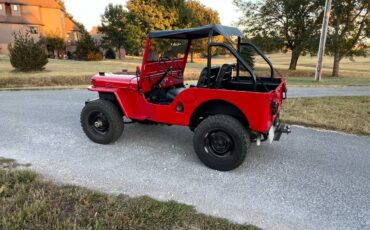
x=70, y=25
x=43, y=3
x=94, y=31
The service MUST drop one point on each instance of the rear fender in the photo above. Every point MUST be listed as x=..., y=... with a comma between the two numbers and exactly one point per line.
x=214, y=107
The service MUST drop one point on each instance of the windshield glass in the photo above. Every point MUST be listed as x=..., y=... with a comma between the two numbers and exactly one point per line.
x=167, y=48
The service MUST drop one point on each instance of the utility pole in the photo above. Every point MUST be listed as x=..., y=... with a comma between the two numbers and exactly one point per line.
x=324, y=31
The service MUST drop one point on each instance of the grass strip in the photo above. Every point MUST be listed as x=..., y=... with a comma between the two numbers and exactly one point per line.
x=72, y=73
x=29, y=202
x=347, y=114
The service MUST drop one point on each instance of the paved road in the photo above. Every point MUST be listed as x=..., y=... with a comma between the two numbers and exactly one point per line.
x=310, y=180
x=333, y=91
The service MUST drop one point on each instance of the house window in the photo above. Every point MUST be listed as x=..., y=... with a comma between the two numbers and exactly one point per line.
x=75, y=34
x=2, y=9
x=34, y=30
x=16, y=10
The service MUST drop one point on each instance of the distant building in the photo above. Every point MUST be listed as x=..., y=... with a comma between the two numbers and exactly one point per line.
x=96, y=35
x=73, y=34
x=39, y=17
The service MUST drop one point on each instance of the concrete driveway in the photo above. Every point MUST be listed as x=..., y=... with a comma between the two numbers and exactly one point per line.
x=309, y=180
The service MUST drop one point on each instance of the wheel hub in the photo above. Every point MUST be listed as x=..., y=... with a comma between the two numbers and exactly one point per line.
x=99, y=122
x=218, y=143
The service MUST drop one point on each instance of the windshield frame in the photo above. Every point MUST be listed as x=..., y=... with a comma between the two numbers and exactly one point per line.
x=161, y=54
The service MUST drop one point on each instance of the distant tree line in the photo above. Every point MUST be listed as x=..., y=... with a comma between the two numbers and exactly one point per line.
x=294, y=25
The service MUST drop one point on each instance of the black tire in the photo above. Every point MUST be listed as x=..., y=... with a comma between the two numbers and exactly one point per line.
x=102, y=121
x=221, y=142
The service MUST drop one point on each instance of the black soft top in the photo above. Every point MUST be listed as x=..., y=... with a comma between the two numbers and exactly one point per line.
x=197, y=32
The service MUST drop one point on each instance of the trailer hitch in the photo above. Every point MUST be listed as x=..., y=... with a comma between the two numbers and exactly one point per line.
x=280, y=129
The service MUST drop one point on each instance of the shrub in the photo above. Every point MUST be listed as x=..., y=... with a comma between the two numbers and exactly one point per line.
x=94, y=56
x=85, y=47
x=53, y=44
x=26, y=54
x=110, y=54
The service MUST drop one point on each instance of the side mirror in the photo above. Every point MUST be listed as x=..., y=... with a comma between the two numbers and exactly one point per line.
x=138, y=71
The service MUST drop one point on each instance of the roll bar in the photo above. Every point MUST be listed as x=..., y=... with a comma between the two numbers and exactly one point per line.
x=237, y=55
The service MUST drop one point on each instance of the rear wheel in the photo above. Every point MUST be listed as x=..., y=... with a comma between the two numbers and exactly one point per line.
x=221, y=142
x=102, y=121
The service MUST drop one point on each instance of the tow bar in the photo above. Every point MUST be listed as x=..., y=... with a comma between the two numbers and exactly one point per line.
x=280, y=129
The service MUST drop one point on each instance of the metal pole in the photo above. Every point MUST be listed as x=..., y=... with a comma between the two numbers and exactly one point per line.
x=324, y=32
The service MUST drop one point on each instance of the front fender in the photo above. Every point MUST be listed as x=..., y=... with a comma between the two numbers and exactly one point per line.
x=110, y=90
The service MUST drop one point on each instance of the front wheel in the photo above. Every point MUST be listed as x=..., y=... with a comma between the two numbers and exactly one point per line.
x=221, y=142
x=102, y=121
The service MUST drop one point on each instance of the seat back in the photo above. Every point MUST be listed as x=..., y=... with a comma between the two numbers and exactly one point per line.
x=203, y=78
x=224, y=74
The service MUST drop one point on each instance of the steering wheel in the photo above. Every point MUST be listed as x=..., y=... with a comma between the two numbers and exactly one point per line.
x=162, y=62
x=168, y=68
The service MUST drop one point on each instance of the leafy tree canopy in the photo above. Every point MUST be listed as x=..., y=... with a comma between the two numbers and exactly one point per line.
x=150, y=15
x=349, y=30
x=113, y=27
x=201, y=15
x=282, y=24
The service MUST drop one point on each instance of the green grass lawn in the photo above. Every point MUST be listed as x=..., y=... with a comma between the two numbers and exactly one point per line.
x=348, y=114
x=29, y=202
x=358, y=67
x=72, y=73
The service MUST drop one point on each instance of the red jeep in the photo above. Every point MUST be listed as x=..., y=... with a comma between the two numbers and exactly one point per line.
x=227, y=109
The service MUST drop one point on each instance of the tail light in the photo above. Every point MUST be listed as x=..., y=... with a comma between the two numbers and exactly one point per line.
x=274, y=107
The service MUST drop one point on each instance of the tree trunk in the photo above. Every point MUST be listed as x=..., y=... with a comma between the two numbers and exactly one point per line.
x=119, y=53
x=192, y=57
x=337, y=60
x=294, y=59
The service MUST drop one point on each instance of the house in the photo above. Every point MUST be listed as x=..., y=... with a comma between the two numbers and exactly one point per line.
x=73, y=34
x=96, y=35
x=39, y=17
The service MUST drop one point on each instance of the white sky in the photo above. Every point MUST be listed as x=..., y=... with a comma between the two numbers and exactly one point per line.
x=88, y=12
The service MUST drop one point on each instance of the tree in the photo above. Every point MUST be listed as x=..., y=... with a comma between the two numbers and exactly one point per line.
x=349, y=30
x=53, y=43
x=150, y=15
x=87, y=49
x=200, y=15
x=113, y=27
x=26, y=54
x=283, y=24
x=182, y=13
